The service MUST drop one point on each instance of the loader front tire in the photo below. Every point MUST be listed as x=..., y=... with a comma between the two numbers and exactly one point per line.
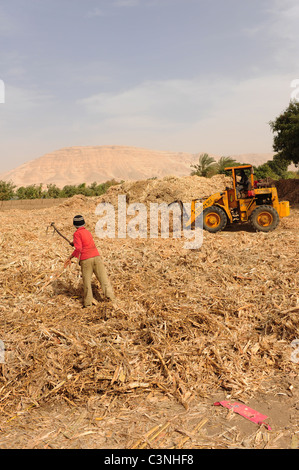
x=214, y=219
x=264, y=218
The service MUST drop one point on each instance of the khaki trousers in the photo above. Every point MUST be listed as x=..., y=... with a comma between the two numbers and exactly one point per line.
x=95, y=266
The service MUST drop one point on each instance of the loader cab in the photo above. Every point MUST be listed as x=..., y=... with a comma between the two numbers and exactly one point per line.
x=243, y=182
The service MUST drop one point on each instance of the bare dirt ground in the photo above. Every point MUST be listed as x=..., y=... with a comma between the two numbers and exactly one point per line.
x=125, y=423
x=191, y=328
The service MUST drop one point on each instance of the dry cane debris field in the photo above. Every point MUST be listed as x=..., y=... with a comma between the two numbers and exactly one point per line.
x=191, y=327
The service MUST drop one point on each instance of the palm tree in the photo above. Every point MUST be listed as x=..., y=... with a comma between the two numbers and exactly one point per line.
x=205, y=165
x=224, y=162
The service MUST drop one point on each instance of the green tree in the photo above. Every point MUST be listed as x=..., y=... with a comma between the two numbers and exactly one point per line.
x=72, y=190
x=82, y=189
x=99, y=189
x=69, y=190
x=205, y=166
x=32, y=191
x=6, y=190
x=264, y=171
x=286, y=134
x=93, y=188
x=224, y=162
x=279, y=165
x=52, y=191
x=275, y=169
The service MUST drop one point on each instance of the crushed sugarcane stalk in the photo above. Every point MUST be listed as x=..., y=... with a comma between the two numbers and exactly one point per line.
x=184, y=326
x=193, y=433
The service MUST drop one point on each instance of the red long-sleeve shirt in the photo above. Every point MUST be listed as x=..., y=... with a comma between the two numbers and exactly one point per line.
x=84, y=244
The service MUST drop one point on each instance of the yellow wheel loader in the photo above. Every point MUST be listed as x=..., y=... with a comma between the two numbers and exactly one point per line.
x=245, y=202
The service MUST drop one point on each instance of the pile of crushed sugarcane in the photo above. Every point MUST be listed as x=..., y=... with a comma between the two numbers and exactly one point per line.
x=187, y=322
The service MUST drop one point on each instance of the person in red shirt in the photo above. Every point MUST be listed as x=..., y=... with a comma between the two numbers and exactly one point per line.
x=90, y=261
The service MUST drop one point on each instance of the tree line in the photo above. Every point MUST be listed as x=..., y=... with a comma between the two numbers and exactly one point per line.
x=37, y=191
x=275, y=169
x=285, y=143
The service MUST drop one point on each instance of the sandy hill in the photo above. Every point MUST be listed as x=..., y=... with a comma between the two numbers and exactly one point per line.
x=75, y=165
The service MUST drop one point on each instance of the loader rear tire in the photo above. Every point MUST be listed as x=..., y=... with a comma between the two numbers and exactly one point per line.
x=264, y=218
x=214, y=219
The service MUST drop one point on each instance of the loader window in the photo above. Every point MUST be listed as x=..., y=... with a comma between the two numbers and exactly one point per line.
x=242, y=183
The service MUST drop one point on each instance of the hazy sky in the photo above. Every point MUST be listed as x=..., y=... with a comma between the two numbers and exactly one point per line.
x=178, y=75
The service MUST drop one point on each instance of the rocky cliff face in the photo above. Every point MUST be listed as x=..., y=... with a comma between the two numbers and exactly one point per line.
x=75, y=165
